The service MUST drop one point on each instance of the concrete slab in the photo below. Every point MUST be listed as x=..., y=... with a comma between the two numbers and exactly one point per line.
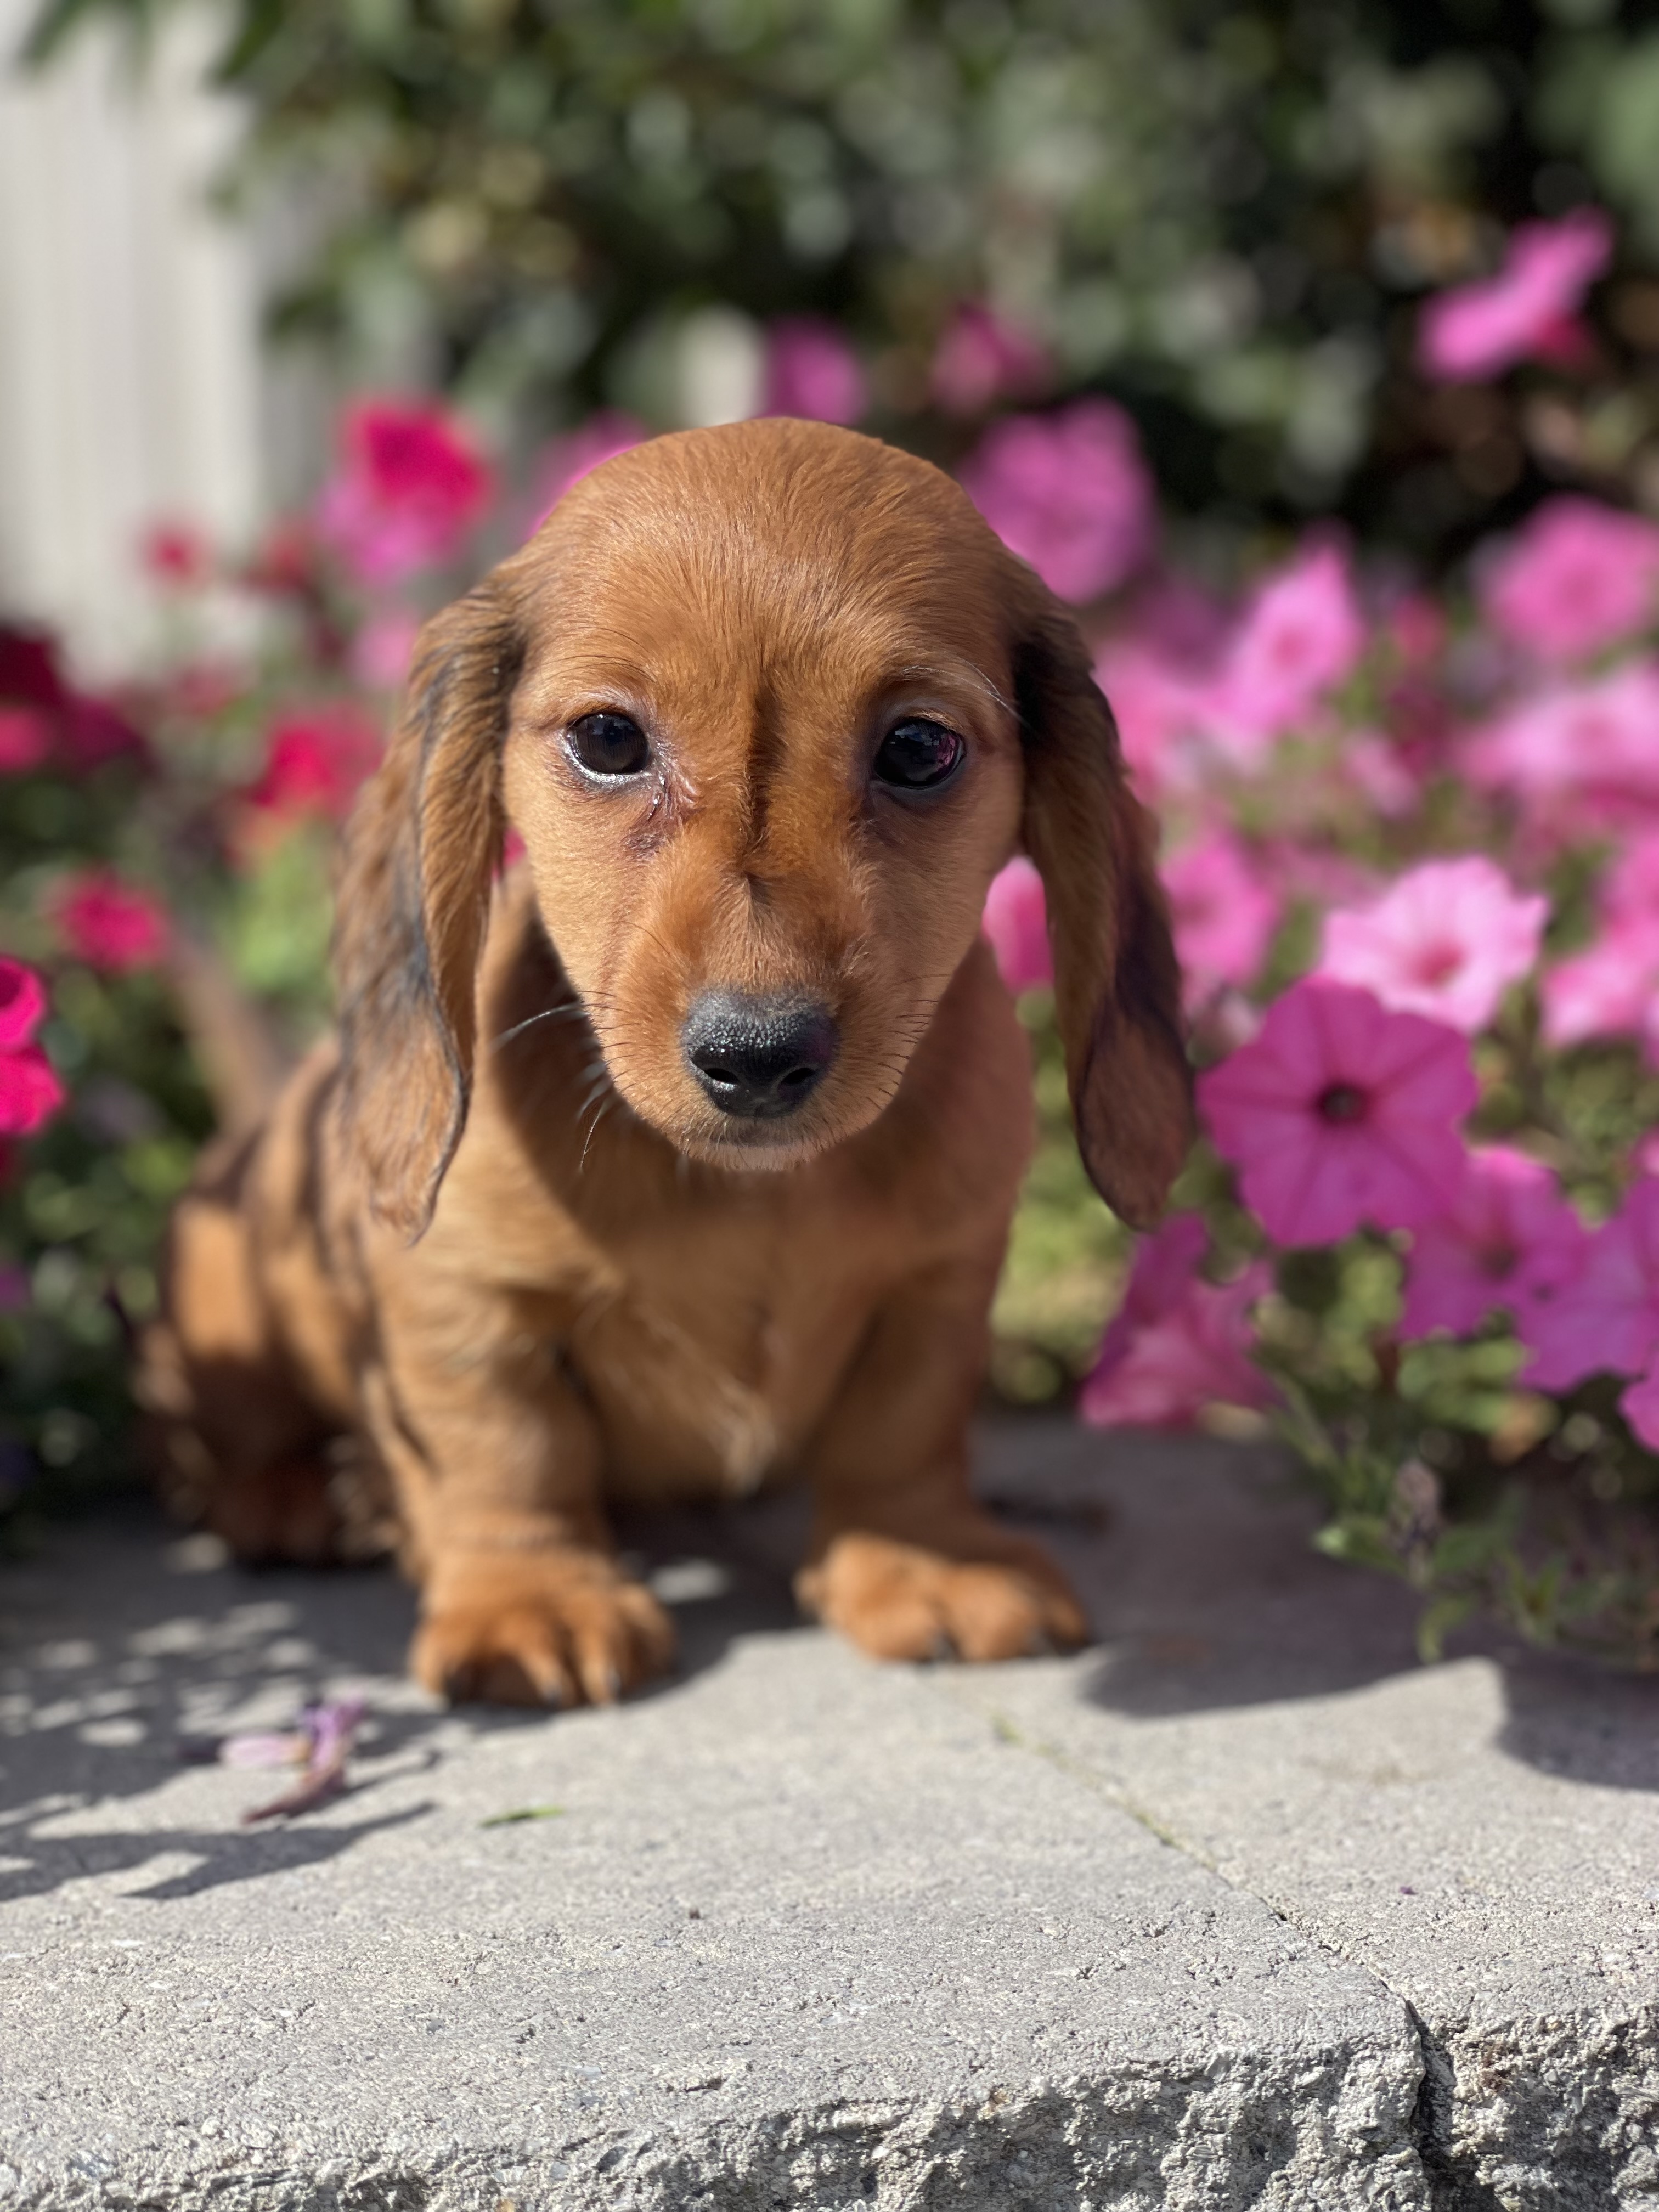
x=1241, y=1908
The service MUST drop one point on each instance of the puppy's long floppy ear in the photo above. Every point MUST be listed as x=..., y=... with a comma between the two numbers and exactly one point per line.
x=412, y=899
x=1117, y=988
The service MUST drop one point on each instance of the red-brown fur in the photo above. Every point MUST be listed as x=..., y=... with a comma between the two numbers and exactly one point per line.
x=494, y=1232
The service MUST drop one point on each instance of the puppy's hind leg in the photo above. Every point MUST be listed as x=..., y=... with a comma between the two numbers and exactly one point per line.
x=235, y=1444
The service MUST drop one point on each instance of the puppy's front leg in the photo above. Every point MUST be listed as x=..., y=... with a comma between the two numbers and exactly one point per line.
x=904, y=1560
x=497, y=1464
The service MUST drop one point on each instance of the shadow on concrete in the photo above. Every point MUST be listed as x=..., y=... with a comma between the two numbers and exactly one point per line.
x=1196, y=1562
x=124, y=1639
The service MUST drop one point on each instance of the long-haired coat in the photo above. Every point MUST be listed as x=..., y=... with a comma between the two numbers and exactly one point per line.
x=680, y=1158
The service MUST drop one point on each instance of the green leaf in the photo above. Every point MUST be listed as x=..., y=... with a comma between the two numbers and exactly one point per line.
x=522, y=1812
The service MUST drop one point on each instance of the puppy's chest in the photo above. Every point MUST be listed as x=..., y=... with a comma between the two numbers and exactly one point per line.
x=727, y=1336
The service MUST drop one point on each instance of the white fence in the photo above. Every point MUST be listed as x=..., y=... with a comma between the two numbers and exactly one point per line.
x=130, y=376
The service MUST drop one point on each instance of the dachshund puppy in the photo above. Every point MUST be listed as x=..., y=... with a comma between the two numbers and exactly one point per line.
x=680, y=1158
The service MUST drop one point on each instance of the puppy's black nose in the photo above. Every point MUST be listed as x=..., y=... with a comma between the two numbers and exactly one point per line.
x=758, y=1057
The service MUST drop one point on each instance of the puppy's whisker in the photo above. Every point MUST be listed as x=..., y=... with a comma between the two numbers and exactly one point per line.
x=605, y=1105
x=565, y=1013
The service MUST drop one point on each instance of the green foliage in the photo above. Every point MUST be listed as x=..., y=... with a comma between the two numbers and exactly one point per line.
x=1223, y=213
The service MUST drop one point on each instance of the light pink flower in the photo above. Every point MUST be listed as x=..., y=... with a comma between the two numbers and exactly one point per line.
x=1631, y=891
x=567, y=460
x=1160, y=711
x=1577, y=577
x=1606, y=1321
x=1610, y=989
x=1302, y=635
x=109, y=924
x=1069, y=493
x=1506, y=1238
x=812, y=372
x=1447, y=940
x=1179, y=1344
x=1479, y=330
x=1017, y=922
x=410, y=485
x=1340, y=1112
x=380, y=650
x=980, y=358
x=22, y=1005
x=1381, y=772
x=1224, y=914
x=1581, y=756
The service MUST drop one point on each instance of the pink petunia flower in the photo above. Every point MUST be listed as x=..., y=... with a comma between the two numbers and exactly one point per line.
x=381, y=649
x=1581, y=756
x=1178, y=1344
x=411, y=485
x=1447, y=940
x=812, y=372
x=567, y=460
x=1303, y=634
x=1016, y=920
x=25, y=739
x=1506, y=1238
x=315, y=761
x=1160, y=710
x=1068, y=492
x=108, y=924
x=1224, y=914
x=1340, y=1112
x=981, y=357
x=1578, y=577
x=22, y=1005
x=1606, y=1321
x=1610, y=989
x=1525, y=311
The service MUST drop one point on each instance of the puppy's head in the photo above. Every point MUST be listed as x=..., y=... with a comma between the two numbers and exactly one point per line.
x=769, y=705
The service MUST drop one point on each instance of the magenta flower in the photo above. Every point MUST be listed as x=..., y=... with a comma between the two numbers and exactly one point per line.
x=1506, y=1238
x=25, y=739
x=1224, y=914
x=1525, y=310
x=1069, y=493
x=1339, y=1112
x=1447, y=940
x=22, y=1005
x=108, y=924
x=1302, y=636
x=567, y=460
x=30, y=1092
x=982, y=358
x=1606, y=1322
x=1578, y=577
x=175, y=554
x=411, y=485
x=1016, y=920
x=315, y=760
x=1178, y=1344
x=812, y=372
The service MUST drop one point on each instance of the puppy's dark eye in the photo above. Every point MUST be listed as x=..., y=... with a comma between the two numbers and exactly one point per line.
x=608, y=744
x=918, y=754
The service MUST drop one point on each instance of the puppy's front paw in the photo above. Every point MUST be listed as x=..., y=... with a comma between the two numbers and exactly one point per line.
x=560, y=1627
x=901, y=1600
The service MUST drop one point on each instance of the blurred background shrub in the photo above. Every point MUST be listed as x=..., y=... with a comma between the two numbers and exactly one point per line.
x=1222, y=214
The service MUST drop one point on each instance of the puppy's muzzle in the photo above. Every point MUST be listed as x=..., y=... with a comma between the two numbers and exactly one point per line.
x=758, y=1058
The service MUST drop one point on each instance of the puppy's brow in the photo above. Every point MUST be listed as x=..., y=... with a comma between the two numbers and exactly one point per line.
x=954, y=675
